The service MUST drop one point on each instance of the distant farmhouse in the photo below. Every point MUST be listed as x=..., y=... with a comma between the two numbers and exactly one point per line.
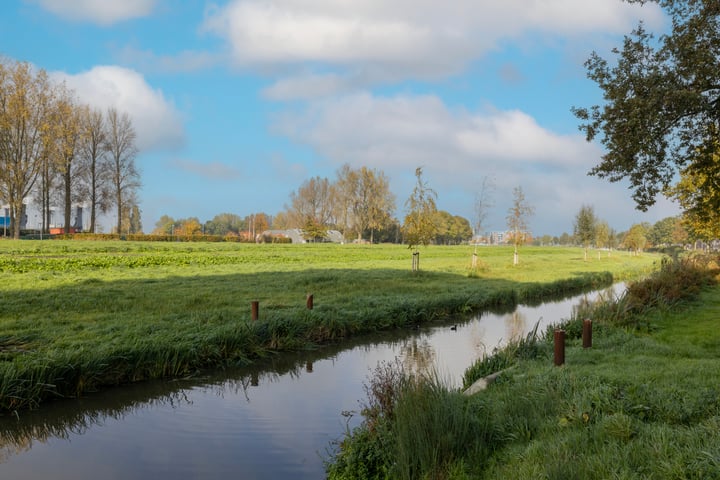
x=296, y=236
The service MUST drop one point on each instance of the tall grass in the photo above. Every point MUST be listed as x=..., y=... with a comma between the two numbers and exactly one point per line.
x=415, y=427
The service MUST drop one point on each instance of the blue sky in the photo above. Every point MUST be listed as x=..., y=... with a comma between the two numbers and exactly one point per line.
x=236, y=103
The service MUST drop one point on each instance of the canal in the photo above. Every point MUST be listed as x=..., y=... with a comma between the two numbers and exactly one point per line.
x=275, y=420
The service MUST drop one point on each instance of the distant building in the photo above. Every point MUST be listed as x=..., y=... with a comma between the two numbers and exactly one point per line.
x=497, y=238
x=296, y=235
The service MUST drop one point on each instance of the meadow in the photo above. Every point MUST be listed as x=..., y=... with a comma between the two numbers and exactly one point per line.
x=78, y=315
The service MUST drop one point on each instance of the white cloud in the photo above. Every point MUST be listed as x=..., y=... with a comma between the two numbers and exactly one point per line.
x=182, y=62
x=212, y=170
x=306, y=86
x=458, y=148
x=404, y=131
x=402, y=38
x=156, y=121
x=103, y=12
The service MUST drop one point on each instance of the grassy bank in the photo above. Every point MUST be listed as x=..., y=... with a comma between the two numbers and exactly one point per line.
x=642, y=403
x=79, y=315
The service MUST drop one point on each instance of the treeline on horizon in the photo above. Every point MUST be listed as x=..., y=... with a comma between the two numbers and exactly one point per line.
x=360, y=206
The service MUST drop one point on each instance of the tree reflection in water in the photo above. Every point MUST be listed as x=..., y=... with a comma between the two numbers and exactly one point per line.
x=418, y=355
x=515, y=326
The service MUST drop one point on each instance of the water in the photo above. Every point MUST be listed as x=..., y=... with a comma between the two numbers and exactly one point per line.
x=277, y=420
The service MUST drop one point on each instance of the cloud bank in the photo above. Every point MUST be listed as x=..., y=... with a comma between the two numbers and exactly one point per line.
x=457, y=149
x=101, y=12
x=376, y=41
x=157, y=123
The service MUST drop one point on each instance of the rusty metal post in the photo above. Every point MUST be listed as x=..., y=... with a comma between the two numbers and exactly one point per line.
x=255, y=309
x=587, y=333
x=309, y=302
x=559, y=347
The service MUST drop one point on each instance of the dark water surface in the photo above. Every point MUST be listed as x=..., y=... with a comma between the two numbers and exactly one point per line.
x=274, y=421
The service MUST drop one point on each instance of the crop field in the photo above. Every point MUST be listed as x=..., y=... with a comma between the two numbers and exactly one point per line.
x=76, y=315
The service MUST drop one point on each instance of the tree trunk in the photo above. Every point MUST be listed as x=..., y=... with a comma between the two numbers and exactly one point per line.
x=119, y=212
x=68, y=196
x=16, y=215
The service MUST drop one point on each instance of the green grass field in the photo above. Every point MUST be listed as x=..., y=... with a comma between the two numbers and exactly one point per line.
x=77, y=315
x=635, y=406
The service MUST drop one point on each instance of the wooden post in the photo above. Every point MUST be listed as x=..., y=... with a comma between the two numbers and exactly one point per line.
x=416, y=261
x=255, y=309
x=309, y=301
x=587, y=333
x=559, y=347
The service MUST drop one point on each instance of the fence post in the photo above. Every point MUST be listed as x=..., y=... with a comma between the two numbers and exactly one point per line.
x=309, y=302
x=559, y=347
x=255, y=307
x=587, y=333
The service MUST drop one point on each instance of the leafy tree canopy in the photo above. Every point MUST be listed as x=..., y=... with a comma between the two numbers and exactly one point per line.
x=420, y=222
x=662, y=102
x=585, y=224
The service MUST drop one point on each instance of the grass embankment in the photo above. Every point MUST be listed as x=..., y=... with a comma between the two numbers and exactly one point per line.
x=642, y=403
x=79, y=315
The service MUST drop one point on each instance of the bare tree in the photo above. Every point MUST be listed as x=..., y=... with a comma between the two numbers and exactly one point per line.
x=345, y=186
x=69, y=118
x=363, y=200
x=125, y=179
x=517, y=221
x=373, y=203
x=312, y=202
x=483, y=204
x=95, y=169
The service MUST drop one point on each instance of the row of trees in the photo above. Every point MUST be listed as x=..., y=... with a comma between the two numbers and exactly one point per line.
x=358, y=203
x=60, y=151
x=589, y=230
x=449, y=229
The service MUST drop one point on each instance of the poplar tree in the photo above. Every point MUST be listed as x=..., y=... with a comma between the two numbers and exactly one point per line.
x=26, y=133
x=124, y=177
x=95, y=169
x=585, y=227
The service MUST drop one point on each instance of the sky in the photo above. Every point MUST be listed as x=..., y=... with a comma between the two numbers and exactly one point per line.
x=237, y=102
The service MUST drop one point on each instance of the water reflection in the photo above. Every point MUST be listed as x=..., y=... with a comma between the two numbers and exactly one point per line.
x=273, y=420
x=515, y=325
x=418, y=355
